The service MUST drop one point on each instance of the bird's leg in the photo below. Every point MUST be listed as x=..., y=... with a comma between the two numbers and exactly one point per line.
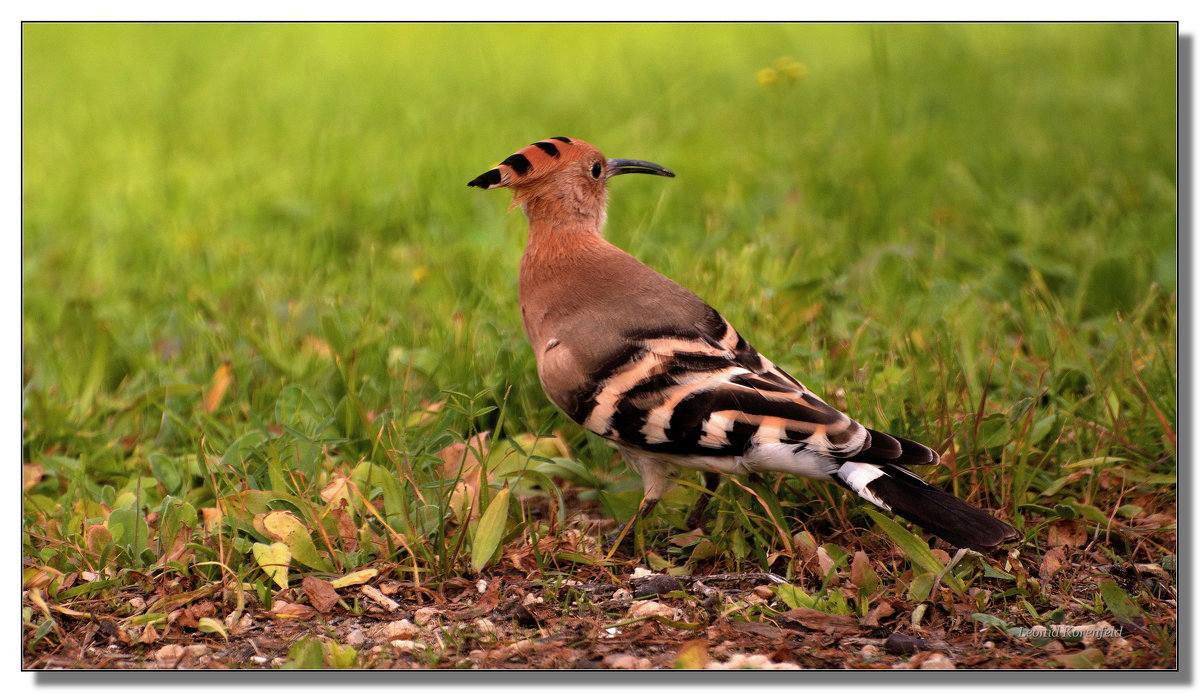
x=655, y=479
x=695, y=518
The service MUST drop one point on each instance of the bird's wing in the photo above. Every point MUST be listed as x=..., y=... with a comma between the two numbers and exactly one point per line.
x=701, y=389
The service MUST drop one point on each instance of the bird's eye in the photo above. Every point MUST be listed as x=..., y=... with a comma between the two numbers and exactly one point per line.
x=596, y=170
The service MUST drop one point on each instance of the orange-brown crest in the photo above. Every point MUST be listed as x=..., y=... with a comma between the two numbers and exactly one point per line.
x=533, y=163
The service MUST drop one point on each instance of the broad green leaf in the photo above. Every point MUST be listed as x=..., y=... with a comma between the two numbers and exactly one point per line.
x=306, y=654
x=274, y=560
x=917, y=551
x=795, y=597
x=1065, y=511
x=169, y=472
x=1086, y=511
x=658, y=563
x=128, y=528
x=1041, y=429
x=490, y=530
x=368, y=476
x=286, y=527
x=341, y=656
x=1119, y=604
x=995, y=573
x=40, y=633
x=991, y=621
x=919, y=588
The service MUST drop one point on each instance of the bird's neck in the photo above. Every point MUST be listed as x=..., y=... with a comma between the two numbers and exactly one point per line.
x=564, y=258
x=558, y=228
x=554, y=242
x=561, y=210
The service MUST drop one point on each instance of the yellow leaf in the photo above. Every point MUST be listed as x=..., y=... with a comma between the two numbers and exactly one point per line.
x=211, y=518
x=281, y=525
x=692, y=655
x=546, y=446
x=274, y=560
x=336, y=491
x=358, y=577
x=287, y=528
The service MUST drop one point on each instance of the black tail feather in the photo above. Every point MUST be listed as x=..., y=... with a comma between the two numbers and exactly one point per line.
x=941, y=513
x=885, y=447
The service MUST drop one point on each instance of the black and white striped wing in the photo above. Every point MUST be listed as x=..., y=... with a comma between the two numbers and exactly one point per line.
x=706, y=391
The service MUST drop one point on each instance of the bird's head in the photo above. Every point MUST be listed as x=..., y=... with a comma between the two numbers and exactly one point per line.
x=560, y=177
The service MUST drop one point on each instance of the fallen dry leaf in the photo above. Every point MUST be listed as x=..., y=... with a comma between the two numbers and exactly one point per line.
x=1051, y=563
x=289, y=610
x=819, y=620
x=149, y=634
x=321, y=594
x=693, y=654
x=168, y=656
x=1066, y=533
x=880, y=611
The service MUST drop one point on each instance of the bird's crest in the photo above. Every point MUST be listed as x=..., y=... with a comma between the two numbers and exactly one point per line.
x=532, y=162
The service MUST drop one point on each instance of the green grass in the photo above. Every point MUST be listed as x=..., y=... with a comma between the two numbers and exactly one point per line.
x=965, y=234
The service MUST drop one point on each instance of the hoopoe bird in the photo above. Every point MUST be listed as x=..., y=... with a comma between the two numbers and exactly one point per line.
x=638, y=359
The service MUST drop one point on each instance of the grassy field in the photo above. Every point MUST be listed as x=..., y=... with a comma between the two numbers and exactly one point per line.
x=262, y=314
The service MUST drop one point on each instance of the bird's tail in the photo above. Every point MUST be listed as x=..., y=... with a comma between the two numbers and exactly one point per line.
x=878, y=473
x=888, y=484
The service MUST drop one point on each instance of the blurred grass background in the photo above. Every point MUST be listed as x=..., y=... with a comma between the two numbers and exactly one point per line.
x=961, y=232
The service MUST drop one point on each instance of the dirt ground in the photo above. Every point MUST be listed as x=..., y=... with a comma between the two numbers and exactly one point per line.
x=596, y=620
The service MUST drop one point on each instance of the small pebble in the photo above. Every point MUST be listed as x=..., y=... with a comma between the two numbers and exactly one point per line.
x=408, y=646
x=168, y=655
x=752, y=661
x=400, y=630
x=425, y=616
x=196, y=651
x=937, y=660
x=652, y=608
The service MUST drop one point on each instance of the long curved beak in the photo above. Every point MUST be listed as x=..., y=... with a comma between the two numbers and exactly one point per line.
x=618, y=166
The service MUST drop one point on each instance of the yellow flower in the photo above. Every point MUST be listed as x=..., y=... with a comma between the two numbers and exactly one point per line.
x=791, y=68
x=767, y=76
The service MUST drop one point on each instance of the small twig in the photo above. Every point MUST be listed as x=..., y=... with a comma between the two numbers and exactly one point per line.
x=381, y=599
